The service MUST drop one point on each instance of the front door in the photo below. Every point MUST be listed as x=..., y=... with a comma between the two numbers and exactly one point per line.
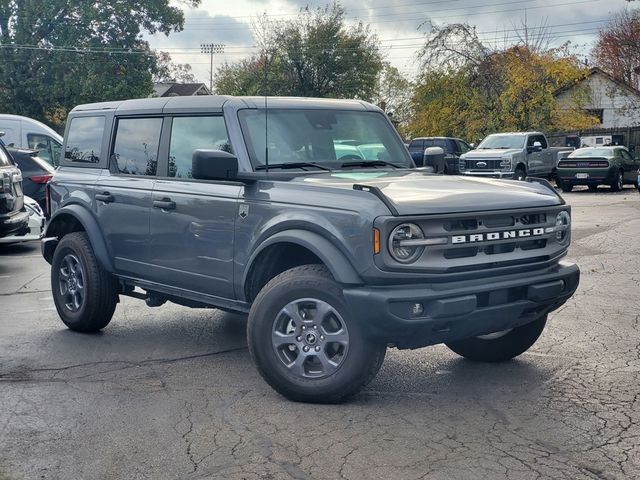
x=123, y=193
x=192, y=221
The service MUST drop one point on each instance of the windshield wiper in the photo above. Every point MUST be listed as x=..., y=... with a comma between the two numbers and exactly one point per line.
x=370, y=163
x=285, y=166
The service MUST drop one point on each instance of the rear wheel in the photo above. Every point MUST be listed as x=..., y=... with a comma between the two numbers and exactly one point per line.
x=618, y=183
x=500, y=346
x=85, y=295
x=304, y=342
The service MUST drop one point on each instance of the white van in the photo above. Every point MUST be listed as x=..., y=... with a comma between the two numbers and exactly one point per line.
x=26, y=132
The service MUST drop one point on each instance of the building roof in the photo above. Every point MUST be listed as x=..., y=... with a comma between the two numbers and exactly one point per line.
x=608, y=76
x=174, y=89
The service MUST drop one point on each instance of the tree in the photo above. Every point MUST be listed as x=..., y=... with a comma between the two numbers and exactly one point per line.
x=315, y=54
x=471, y=90
x=60, y=53
x=617, y=49
x=393, y=95
x=168, y=71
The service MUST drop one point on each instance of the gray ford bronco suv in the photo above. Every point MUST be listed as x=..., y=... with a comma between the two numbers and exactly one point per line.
x=335, y=253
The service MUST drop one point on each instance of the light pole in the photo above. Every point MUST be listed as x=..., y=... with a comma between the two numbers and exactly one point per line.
x=211, y=49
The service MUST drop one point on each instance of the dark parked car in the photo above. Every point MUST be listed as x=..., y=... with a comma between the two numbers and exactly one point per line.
x=14, y=218
x=36, y=173
x=453, y=148
x=593, y=166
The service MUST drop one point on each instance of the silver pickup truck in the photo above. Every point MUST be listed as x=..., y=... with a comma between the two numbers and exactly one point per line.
x=513, y=155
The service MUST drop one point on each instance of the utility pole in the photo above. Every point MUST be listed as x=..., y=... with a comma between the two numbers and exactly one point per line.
x=211, y=49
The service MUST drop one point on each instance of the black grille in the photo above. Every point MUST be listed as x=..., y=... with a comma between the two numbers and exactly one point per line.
x=485, y=164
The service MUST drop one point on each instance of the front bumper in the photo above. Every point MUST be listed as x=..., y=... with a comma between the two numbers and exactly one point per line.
x=488, y=174
x=461, y=310
x=34, y=232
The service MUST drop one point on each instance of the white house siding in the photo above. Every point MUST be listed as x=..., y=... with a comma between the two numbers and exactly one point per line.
x=620, y=106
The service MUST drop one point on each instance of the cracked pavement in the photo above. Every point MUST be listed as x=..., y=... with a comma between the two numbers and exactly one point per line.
x=171, y=392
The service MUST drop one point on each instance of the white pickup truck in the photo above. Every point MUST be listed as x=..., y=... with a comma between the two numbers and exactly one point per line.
x=513, y=155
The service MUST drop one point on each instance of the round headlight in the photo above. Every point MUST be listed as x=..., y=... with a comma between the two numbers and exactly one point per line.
x=563, y=222
x=402, y=243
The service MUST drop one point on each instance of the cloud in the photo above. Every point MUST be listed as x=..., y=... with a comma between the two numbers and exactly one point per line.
x=395, y=22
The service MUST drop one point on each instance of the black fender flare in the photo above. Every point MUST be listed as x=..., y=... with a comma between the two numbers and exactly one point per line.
x=90, y=226
x=337, y=263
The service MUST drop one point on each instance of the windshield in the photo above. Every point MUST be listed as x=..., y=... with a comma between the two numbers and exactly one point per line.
x=328, y=138
x=592, y=152
x=502, y=142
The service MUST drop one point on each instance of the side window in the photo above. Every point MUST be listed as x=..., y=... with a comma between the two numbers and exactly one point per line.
x=42, y=143
x=462, y=146
x=416, y=145
x=84, y=140
x=135, y=149
x=537, y=138
x=440, y=142
x=192, y=133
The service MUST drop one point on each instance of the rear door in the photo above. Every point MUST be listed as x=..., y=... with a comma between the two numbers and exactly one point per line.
x=123, y=192
x=192, y=221
x=416, y=150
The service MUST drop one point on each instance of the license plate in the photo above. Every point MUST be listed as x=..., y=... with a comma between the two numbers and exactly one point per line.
x=582, y=175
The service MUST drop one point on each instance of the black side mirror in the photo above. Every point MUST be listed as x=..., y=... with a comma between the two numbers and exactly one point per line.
x=213, y=165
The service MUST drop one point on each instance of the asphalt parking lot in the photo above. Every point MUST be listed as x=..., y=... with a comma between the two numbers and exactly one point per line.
x=171, y=392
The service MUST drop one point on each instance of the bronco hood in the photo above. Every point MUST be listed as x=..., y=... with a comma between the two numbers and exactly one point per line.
x=417, y=193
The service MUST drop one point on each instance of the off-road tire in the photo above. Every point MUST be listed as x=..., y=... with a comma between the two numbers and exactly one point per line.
x=500, y=349
x=360, y=364
x=100, y=287
x=618, y=182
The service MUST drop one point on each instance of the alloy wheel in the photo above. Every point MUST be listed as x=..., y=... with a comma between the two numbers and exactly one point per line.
x=310, y=338
x=71, y=282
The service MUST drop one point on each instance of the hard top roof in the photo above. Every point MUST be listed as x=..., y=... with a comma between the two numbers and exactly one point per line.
x=517, y=133
x=216, y=102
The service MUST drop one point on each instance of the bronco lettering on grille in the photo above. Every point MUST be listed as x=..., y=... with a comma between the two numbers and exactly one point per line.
x=486, y=237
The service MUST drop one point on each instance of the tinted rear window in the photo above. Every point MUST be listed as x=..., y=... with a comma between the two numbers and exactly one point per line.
x=84, y=140
x=28, y=162
x=136, y=146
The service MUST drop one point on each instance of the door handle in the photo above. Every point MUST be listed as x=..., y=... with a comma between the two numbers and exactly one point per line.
x=164, y=204
x=105, y=197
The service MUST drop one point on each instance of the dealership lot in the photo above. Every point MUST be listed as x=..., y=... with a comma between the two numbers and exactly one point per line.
x=171, y=392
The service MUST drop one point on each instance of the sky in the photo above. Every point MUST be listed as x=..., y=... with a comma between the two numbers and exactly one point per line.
x=397, y=24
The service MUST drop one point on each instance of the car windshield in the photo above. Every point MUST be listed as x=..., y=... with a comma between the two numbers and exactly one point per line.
x=592, y=152
x=326, y=138
x=502, y=142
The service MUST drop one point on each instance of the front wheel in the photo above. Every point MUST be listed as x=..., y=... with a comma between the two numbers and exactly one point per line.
x=618, y=183
x=304, y=342
x=500, y=346
x=85, y=295
x=520, y=174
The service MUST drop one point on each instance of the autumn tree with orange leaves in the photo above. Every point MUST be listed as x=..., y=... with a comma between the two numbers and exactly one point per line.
x=470, y=90
x=618, y=47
